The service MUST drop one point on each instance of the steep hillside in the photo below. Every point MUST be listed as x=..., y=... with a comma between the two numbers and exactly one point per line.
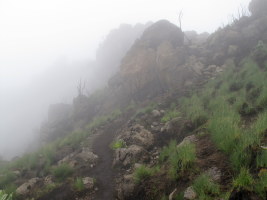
x=182, y=119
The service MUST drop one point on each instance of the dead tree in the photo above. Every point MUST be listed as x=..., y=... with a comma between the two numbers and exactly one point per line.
x=180, y=19
x=81, y=87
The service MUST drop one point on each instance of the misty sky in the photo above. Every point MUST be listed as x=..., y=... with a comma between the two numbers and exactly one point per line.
x=35, y=35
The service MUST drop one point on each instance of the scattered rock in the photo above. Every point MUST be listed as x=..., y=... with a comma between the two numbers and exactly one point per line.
x=172, y=125
x=156, y=113
x=66, y=159
x=190, y=194
x=137, y=165
x=172, y=195
x=27, y=187
x=214, y=173
x=188, y=139
x=88, y=182
x=48, y=180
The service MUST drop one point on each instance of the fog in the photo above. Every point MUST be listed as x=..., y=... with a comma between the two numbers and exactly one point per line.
x=46, y=47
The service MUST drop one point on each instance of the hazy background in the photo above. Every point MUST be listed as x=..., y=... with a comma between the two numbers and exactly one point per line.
x=46, y=46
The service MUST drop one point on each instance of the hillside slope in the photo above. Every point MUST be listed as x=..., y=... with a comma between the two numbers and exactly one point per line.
x=178, y=121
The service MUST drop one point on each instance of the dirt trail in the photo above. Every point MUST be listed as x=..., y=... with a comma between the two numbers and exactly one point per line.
x=103, y=172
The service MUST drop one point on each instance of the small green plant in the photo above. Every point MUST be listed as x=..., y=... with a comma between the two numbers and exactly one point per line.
x=143, y=172
x=169, y=115
x=4, y=196
x=118, y=144
x=62, y=172
x=78, y=184
x=205, y=187
x=244, y=180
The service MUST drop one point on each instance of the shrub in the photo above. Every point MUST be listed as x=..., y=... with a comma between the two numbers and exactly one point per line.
x=118, y=144
x=205, y=187
x=143, y=172
x=78, y=184
x=62, y=172
x=244, y=180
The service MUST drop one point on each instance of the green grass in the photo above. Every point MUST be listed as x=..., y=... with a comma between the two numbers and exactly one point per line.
x=205, y=188
x=193, y=108
x=179, y=158
x=224, y=127
x=261, y=184
x=7, y=178
x=62, y=172
x=5, y=196
x=169, y=115
x=261, y=159
x=142, y=173
x=78, y=184
x=118, y=144
x=244, y=180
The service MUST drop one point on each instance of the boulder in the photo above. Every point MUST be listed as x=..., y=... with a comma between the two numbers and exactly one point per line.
x=214, y=173
x=138, y=135
x=88, y=182
x=27, y=187
x=87, y=156
x=188, y=139
x=156, y=113
x=190, y=194
x=126, y=156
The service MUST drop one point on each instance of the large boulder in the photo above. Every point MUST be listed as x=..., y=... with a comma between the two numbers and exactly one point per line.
x=27, y=187
x=87, y=156
x=153, y=63
x=138, y=135
x=125, y=157
x=161, y=31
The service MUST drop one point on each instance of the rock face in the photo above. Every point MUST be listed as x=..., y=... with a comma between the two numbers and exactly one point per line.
x=161, y=31
x=27, y=187
x=151, y=65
